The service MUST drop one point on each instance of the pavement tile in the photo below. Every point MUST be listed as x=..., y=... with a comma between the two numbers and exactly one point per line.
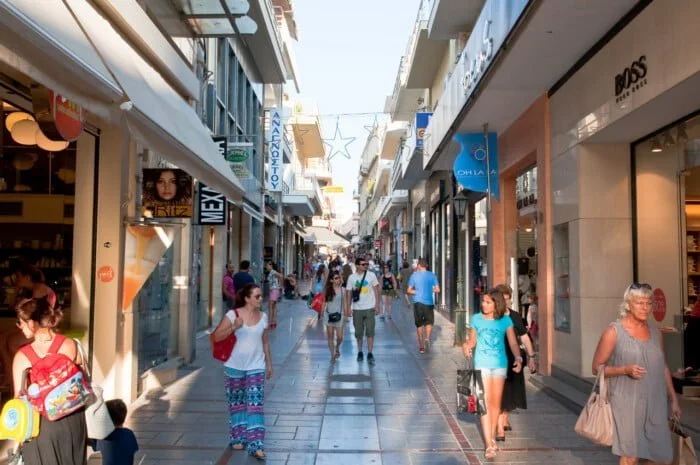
x=349, y=413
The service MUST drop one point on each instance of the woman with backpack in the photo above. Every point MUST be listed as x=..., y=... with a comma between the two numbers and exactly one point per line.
x=64, y=440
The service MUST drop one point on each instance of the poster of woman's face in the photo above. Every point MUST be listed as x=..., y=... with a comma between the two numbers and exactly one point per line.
x=167, y=193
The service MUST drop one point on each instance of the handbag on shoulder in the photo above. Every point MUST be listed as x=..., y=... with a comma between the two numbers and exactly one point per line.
x=221, y=350
x=596, y=421
x=97, y=419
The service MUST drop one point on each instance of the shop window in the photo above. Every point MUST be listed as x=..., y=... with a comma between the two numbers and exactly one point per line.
x=158, y=304
x=562, y=300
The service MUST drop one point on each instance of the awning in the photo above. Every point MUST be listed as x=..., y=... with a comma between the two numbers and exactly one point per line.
x=43, y=41
x=324, y=236
x=156, y=114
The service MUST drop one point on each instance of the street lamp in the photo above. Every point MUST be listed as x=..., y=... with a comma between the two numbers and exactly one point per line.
x=460, y=204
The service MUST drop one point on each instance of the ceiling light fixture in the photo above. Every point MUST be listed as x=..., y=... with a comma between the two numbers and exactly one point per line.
x=656, y=146
x=47, y=144
x=24, y=132
x=15, y=117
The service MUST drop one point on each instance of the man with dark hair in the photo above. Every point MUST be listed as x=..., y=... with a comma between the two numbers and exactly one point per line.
x=365, y=306
x=423, y=285
x=243, y=276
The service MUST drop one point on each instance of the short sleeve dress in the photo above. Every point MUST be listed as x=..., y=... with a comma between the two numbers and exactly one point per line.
x=514, y=391
x=640, y=407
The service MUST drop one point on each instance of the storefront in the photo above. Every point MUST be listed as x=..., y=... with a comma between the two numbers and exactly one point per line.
x=624, y=143
x=122, y=273
x=520, y=234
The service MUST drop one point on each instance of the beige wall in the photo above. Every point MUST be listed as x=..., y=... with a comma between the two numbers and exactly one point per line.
x=591, y=182
x=523, y=144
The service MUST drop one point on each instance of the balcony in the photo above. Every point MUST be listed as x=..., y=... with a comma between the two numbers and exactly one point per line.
x=319, y=168
x=448, y=18
x=380, y=209
x=404, y=102
x=424, y=54
x=399, y=201
x=266, y=45
x=306, y=127
x=383, y=176
x=391, y=139
x=407, y=169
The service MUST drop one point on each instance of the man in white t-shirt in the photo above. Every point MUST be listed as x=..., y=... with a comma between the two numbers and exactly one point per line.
x=364, y=307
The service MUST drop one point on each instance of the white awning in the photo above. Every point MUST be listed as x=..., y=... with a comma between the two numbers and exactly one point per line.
x=42, y=40
x=156, y=114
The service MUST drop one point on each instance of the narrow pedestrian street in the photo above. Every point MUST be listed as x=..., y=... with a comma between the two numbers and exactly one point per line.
x=399, y=412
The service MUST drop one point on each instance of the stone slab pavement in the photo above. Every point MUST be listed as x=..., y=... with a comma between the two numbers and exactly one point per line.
x=402, y=411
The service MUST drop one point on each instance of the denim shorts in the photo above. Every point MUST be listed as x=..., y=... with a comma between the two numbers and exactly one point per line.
x=494, y=372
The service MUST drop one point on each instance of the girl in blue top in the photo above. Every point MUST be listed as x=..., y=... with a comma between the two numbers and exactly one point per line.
x=487, y=333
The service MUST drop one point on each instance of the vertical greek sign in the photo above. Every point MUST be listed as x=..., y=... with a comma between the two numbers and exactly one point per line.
x=275, y=168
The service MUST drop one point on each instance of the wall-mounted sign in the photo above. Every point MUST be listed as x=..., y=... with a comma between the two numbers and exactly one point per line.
x=422, y=120
x=275, y=169
x=631, y=79
x=659, y=305
x=377, y=244
x=476, y=61
x=333, y=189
x=143, y=249
x=68, y=116
x=167, y=193
x=237, y=154
x=105, y=274
x=211, y=206
x=471, y=165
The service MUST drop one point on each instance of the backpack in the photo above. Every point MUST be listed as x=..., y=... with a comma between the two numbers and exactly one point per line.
x=58, y=387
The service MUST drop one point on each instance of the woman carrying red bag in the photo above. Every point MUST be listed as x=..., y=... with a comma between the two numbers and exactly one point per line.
x=245, y=371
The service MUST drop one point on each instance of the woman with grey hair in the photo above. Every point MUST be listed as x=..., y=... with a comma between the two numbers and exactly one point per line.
x=631, y=353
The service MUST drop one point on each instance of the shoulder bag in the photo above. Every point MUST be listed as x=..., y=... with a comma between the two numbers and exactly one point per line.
x=99, y=423
x=596, y=420
x=356, y=291
x=221, y=350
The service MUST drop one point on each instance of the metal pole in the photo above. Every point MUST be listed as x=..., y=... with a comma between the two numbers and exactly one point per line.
x=488, y=168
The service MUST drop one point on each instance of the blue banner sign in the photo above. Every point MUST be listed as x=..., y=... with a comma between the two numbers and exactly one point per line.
x=422, y=120
x=470, y=166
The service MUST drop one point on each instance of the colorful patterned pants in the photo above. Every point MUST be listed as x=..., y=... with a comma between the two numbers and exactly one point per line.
x=244, y=392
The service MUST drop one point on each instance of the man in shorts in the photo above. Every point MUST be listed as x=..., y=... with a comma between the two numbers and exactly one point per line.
x=364, y=310
x=423, y=285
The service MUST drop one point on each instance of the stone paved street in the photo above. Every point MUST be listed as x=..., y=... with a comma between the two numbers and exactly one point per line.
x=399, y=412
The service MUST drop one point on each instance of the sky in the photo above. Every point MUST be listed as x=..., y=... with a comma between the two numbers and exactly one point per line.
x=348, y=57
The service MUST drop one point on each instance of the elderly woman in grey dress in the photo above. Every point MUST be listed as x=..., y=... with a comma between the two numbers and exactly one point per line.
x=640, y=383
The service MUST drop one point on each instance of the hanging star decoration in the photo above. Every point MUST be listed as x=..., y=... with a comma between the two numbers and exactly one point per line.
x=337, y=142
x=372, y=128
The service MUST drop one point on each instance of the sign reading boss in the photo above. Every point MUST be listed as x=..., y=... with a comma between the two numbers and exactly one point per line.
x=631, y=75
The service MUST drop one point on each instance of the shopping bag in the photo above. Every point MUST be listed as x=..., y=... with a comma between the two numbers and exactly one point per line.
x=683, y=450
x=317, y=302
x=470, y=391
x=596, y=421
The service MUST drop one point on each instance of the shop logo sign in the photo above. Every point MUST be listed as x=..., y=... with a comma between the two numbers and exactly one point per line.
x=631, y=79
x=274, y=176
x=212, y=206
x=477, y=64
x=476, y=166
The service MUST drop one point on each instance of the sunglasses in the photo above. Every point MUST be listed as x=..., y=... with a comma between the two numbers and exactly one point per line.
x=364, y=264
x=638, y=286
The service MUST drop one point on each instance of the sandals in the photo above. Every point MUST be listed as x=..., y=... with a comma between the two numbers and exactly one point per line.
x=238, y=447
x=491, y=450
x=260, y=455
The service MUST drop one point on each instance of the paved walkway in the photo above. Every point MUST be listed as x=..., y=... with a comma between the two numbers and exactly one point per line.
x=399, y=412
